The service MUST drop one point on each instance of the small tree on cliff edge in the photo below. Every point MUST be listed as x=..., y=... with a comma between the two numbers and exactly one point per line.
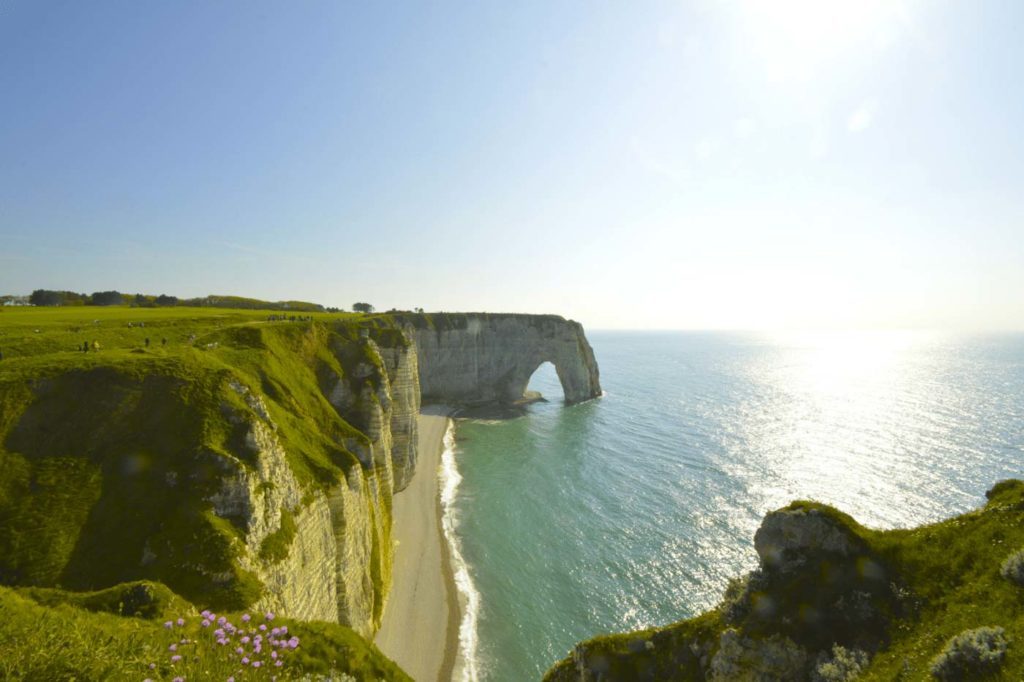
x=362, y=307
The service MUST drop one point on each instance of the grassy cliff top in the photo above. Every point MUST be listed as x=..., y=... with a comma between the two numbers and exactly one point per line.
x=37, y=331
x=110, y=455
x=900, y=597
x=454, y=321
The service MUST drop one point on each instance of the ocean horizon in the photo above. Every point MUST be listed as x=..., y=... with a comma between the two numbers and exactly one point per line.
x=636, y=509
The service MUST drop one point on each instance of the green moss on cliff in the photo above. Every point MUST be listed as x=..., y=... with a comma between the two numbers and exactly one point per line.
x=108, y=459
x=900, y=595
x=275, y=547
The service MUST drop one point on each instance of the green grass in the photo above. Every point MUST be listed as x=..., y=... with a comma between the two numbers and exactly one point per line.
x=142, y=599
x=107, y=458
x=275, y=547
x=924, y=586
x=48, y=635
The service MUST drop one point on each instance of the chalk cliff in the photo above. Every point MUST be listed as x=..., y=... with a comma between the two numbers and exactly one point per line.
x=255, y=466
x=475, y=358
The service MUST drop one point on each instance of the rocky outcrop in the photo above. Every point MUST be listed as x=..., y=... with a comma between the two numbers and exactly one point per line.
x=820, y=589
x=786, y=536
x=478, y=358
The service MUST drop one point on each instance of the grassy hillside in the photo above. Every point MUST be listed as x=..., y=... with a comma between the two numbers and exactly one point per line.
x=55, y=635
x=37, y=332
x=108, y=458
x=893, y=604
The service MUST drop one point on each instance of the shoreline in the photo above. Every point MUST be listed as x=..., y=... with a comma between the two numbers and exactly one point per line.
x=454, y=626
x=421, y=622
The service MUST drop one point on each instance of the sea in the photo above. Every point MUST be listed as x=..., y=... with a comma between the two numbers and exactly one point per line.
x=634, y=510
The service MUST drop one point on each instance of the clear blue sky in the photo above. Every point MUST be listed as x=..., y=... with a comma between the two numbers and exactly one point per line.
x=628, y=164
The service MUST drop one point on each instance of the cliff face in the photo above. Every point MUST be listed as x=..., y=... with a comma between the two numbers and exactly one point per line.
x=480, y=357
x=251, y=463
x=336, y=559
x=833, y=601
x=253, y=468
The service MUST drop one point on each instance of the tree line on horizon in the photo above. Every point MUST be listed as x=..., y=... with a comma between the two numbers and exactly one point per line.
x=54, y=298
x=58, y=298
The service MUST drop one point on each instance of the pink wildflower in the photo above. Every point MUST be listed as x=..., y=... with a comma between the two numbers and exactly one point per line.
x=175, y=658
x=245, y=660
x=246, y=617
x=270, y=616
x=168, y=625
x=181, y=621
x=256, y=664
x=173, y=647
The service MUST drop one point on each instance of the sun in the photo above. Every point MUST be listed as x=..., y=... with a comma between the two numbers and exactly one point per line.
x=799, y=38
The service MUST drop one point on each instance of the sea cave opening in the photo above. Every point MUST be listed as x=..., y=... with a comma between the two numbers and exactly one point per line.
x=544, y=383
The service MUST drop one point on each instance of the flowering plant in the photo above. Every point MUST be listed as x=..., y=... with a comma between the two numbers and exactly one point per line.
x=215, y=647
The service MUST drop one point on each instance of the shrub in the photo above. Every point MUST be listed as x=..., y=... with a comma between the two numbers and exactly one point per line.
x=842, y=666
x=971, y=654
x=1013, y=568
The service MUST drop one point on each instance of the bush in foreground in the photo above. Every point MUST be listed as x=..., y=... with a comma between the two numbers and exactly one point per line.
x=971, y=654
x=843, y=665
x=1013, y=568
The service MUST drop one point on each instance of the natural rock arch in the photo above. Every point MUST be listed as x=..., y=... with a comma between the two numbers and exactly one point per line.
x=540, y=380
x=478, y=358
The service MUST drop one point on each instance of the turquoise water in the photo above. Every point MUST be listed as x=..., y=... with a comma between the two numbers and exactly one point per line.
x=634, y=510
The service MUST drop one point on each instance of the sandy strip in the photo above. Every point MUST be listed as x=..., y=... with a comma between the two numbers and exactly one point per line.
x=420, y=629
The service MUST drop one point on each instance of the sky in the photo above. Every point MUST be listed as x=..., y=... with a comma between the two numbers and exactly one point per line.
x=642, y=165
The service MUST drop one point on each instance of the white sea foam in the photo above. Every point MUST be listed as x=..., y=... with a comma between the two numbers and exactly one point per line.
x=466, y=663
